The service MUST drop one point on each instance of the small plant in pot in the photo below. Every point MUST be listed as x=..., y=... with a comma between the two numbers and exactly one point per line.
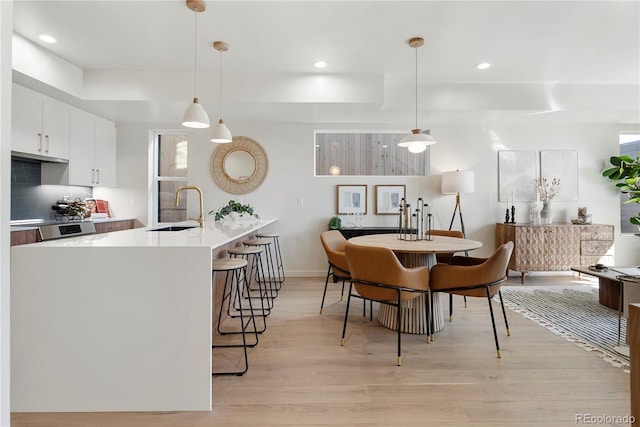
x=234, y=210
x=626, y=171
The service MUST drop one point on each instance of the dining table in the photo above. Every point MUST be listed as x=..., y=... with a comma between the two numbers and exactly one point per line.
x=414, y=253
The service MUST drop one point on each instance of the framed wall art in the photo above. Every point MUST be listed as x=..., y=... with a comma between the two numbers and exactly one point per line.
x=389, y=198
x=517, y=172
x=563, y=165
x=352, y=199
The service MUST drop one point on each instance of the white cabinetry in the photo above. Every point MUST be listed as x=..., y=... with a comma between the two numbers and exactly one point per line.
x=92, y=150
x=40, y=125
x=92, y=153
x=105, y=153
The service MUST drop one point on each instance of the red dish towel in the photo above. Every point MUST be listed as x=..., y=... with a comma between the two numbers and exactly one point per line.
x=102, y=206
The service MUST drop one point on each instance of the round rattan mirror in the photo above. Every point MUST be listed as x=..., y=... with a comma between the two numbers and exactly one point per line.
x=240, y=166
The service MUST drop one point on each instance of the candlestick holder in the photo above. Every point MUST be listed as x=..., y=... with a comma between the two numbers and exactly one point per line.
x=415, y=224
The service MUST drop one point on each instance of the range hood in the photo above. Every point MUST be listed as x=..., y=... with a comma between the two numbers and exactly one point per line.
x=37, y=157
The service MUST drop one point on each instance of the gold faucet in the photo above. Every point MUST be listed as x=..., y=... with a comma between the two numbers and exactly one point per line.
x=192, y=187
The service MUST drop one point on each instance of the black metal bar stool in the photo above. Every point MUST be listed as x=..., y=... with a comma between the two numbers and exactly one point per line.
x=235, y=279
x=278, y=254
x=266, y=244
x=252, y=254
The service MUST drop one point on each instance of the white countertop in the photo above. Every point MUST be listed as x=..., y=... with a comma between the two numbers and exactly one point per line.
x=213, y=235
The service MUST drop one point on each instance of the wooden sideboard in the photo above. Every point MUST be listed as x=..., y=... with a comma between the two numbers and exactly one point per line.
x=556, y=247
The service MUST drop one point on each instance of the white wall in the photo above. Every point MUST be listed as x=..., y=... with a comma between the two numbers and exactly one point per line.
x=6, y=28
x=460, y=146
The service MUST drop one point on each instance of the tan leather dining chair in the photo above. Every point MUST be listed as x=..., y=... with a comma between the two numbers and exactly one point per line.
x=445, y=257
x=334, y=243
x=475, y=277
x=377, y=275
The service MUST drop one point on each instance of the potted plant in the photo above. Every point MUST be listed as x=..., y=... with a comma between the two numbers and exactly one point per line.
x=233, y=209
x=626, y=171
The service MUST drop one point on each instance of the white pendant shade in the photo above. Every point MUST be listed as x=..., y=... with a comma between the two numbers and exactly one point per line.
x=417, y=141
x=221, y=133
x=417, y=147
x=195, y=116
x=414, y=137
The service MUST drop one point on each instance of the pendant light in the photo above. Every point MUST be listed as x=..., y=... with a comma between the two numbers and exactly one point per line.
x=196, y=116
x=417, y=141
x=221, y=133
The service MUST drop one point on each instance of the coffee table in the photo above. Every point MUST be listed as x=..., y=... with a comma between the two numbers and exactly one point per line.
x=616, y=282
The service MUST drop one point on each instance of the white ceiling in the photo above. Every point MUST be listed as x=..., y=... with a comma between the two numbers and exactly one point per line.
x=573, y=60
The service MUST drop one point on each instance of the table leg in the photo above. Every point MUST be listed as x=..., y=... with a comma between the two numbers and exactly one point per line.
x=413, y=315
x=413, y=311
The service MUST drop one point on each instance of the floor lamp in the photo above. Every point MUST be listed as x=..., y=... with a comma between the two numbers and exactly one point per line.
x=456, y=182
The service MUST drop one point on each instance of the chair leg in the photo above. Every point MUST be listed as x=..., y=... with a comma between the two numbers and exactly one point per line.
x=450, y=307
x=493, y=321
x=399, y=312
x=427, y=312
x=504, y=313
x=324, y=293
x=346, y=314
x=433, y=323
x=244, y=345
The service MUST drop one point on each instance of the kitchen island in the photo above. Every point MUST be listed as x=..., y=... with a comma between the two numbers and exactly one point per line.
x=118, y=321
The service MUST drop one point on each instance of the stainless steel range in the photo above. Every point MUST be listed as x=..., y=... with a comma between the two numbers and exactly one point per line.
x=67, y=229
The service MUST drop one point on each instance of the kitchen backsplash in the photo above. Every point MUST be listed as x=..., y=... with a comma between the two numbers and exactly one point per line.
x=30, y=199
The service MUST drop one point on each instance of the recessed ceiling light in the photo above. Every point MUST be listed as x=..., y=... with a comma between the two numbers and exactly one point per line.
x=483, y=65
x=320, y=63
x=47, y=38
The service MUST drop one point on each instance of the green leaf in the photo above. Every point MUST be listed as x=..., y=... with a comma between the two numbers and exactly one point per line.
x=614, y=160
x=609, y=172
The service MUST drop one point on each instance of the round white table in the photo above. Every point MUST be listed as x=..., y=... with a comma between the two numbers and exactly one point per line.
x=413, y=253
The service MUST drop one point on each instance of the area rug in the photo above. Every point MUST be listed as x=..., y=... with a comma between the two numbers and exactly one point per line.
x=571, y=312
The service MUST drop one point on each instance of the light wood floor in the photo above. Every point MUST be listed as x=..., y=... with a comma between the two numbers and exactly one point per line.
x=299, y=375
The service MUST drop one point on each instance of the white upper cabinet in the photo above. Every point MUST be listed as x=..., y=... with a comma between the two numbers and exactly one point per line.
x=40, y=125
x=92, y=153
x=81, y=169
x=92, y=150
x=105, y=153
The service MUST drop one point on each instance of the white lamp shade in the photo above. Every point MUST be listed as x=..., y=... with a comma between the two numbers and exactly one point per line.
x=195, y=116
x=458, y=182
x=417, y=147
x=423, y=138
x=334, y=170
x=221, y=133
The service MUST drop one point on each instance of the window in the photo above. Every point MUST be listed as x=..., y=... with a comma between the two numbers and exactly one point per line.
x=170, y=172
x=629, y=145
x=347, y=153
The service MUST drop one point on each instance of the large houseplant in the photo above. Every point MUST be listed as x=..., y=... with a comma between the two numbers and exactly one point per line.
x=231, y=207
x=626, y=171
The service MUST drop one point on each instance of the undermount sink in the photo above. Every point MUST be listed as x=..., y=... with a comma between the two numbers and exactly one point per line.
x=174, y=228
